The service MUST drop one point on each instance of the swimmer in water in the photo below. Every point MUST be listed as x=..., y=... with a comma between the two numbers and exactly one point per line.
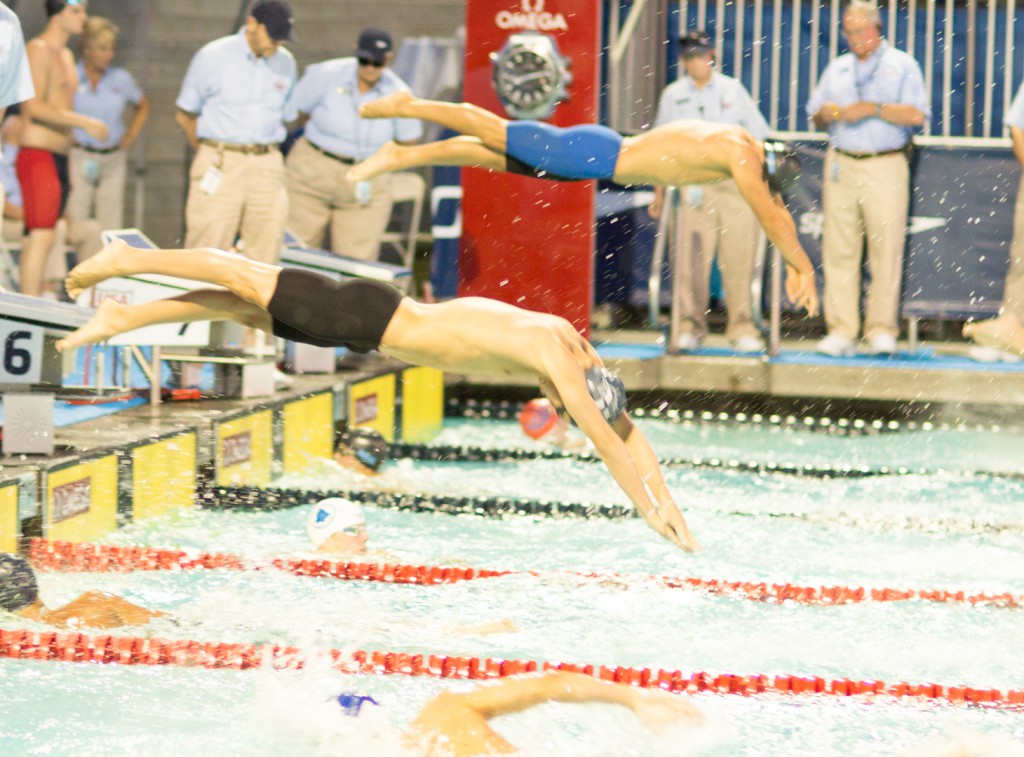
x=19, y=594
x=456, y=724
x=361, y=451
x=337, y=526
x=470, y=335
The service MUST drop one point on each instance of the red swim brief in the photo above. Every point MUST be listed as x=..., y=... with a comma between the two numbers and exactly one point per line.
x=45, y=184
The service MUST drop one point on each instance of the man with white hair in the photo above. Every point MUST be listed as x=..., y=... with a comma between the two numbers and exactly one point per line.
x=870, y=100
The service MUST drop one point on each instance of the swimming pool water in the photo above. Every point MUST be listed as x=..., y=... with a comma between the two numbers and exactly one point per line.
x=950, y=531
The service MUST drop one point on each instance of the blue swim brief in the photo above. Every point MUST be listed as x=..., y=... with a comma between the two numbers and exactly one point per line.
x=587, y=151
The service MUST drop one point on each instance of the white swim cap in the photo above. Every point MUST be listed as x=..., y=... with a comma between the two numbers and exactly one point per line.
x=329, y=516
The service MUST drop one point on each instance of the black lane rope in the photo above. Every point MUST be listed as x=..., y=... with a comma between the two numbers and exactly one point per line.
x=471, y=454
x=257, y=498
x=263, y=499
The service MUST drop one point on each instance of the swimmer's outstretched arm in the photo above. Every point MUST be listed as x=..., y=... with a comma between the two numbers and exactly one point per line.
x=457, y=151
x=646, y=462
x=464, y=118
x=96, y=609
x=565, y=374
x=459, y=721
x=778, y=225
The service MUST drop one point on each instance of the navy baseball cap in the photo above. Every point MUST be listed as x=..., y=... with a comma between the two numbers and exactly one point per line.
x=277, y=16
x=695, y=41
x=374, y=45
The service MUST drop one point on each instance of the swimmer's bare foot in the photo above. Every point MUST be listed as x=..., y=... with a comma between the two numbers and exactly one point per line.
x=1004, y=333
x=108, y=321
x=389, y=106
x=378, y=163
x=103, y=265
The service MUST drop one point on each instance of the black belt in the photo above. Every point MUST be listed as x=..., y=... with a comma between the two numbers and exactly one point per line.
x=866, y=155
x=340, y=158
x=244, y=149
x=99, y=150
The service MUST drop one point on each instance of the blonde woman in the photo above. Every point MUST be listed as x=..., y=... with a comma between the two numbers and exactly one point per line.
x=109, y=93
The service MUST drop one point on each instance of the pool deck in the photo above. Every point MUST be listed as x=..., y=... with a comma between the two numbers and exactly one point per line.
x=937, y=383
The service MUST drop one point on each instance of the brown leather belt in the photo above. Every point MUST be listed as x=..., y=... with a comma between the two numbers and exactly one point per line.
x=244, y=149
x=340, y=158
x=866, y=155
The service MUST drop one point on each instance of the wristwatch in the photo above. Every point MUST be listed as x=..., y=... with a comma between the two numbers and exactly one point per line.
x=530, y=75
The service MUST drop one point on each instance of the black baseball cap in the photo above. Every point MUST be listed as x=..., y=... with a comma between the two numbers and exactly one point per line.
x=277, y=16
x=374, y=44
x=694, y=41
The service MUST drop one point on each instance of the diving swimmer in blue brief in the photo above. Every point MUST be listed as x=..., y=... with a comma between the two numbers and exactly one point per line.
x=674, y=154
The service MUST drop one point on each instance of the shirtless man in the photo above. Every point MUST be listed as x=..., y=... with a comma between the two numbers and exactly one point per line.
x=677, y=153
x=467, y=335
x=49, y=117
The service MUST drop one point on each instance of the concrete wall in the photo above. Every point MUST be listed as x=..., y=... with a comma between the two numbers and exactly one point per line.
x=177, y=28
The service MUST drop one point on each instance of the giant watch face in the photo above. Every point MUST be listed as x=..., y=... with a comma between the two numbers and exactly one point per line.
x=529, y=75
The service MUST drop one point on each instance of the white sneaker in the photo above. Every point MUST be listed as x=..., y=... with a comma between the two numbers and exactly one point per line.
x=282, y=380
x=836, y=346
x=686, y=343
x=882, y=344
x=992, y=355
x=749, y=343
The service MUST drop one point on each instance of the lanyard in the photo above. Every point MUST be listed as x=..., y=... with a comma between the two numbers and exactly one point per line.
x=862, y=82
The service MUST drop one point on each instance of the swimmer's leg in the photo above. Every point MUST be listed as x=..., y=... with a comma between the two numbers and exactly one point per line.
x=457, y=151
x=249, y=279
x=113, y=318
x=461, y=117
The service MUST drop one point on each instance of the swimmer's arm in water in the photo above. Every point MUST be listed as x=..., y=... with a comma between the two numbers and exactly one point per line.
x=566, y=376
x=460, y=720
x=98, y=609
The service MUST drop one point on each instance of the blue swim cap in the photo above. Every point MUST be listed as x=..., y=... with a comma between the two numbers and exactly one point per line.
x=350, y=703
x=18, y=587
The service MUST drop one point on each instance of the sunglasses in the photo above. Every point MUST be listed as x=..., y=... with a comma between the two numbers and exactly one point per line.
x=370, y=63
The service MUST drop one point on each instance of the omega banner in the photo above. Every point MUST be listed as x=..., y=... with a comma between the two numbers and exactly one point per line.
x=526, y=241
x=958, y=234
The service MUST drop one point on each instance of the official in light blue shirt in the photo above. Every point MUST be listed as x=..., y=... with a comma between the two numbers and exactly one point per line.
x=886, y=77
x=115, y=90
x=239, y=97
x=329, y=94
x=234, y=107
x=1015, y=115
x=723, y=100
x=15, y=75
x=326, y=208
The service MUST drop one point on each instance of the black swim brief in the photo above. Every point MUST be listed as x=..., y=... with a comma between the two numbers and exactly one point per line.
x=314, y=309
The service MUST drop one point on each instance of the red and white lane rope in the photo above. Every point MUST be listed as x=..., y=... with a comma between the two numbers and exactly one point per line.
x=129, y=650
x=67, y=556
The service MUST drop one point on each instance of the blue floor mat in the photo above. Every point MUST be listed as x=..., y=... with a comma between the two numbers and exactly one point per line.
x=925, y=358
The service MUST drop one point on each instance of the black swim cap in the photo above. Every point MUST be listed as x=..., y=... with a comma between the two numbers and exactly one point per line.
x=53, y=7
x=781, y=167
x=18, y=587
x=369, y=447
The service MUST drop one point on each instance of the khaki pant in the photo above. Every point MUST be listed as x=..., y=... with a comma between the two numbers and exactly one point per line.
x=320, y=195
x=1013, y=293
x=97, y=187
x=250, y=203
x=864, y=199
x=715, y=218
